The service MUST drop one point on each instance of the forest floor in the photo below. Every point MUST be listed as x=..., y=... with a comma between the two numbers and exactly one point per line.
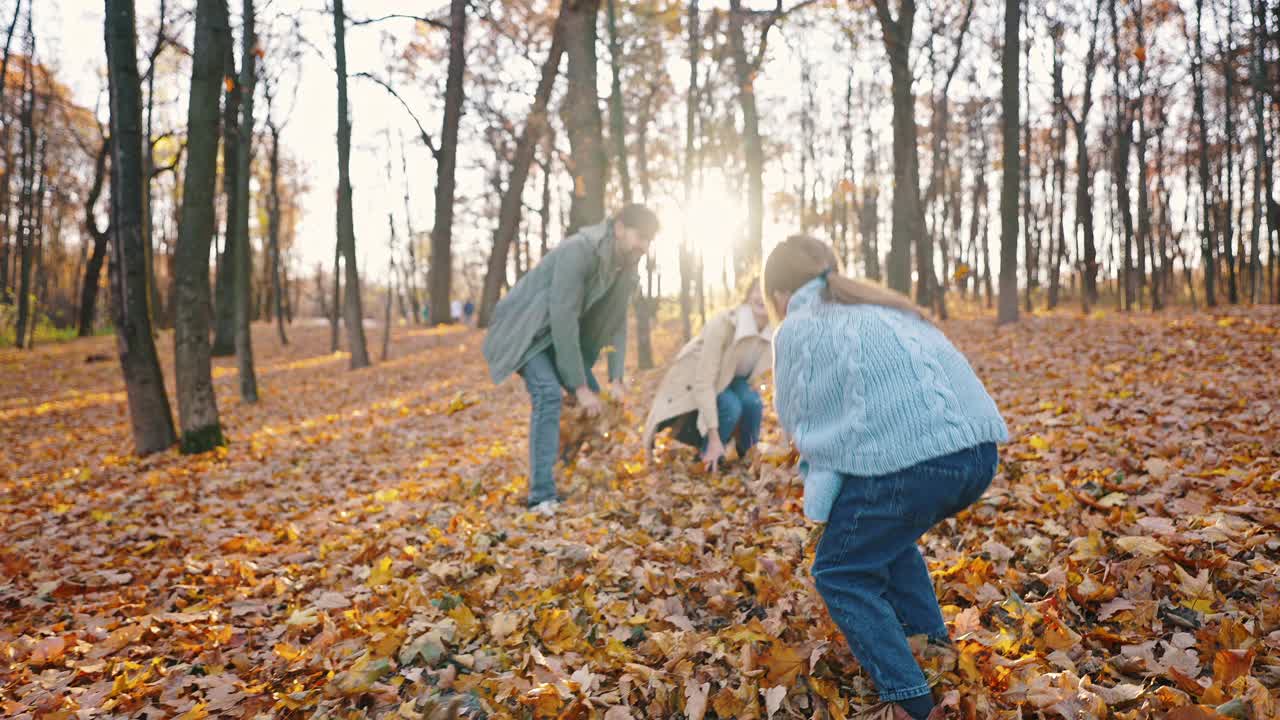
x=362, y=545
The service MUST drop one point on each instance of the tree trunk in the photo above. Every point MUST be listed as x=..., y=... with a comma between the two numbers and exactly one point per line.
x=691, y=117
x=869, y=217
x=149, y=413
x=441, y=268
x=93, y=268
x=27, y=197
x=197, y=403
x=1057, y=229
x=353, y=306
x=1206, y=236
x=750, y=249
x=1227, y=52
x=1120, y=164
x=512, y=205
x=582, y=117
x=908, y=213
x=1262, y=159
x=242, y=282
x=8, y=160
x=1008, y=310
x=273, y=233
x=411, y=272
x=224, y=340
x=1030, y=239
x=1145, y=241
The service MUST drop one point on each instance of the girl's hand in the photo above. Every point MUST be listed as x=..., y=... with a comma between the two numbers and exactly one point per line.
x=714, y=453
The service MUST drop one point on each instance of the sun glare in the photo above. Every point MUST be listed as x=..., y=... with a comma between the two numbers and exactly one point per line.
x=713, y=221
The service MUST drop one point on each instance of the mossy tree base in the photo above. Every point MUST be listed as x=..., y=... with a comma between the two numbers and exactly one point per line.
x=203, y=440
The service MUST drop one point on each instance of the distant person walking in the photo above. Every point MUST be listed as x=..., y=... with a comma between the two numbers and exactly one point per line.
x=708, y=397
x=553, y=325
x=895, y=433
x=455, y=311
x=468, y=312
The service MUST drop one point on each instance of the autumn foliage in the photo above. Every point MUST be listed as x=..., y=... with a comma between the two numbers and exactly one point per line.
x=361, y=548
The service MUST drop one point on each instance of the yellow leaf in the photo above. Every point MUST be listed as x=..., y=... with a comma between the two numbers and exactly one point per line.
x=1038, y=442
x=381, y=573
x=288, y=652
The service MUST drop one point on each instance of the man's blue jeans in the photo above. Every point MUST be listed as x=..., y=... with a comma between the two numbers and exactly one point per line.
x=739, y=412
x=869, y=570
x=546, y=394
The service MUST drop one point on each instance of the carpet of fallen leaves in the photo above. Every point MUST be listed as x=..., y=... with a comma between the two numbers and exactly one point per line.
x=361, y=548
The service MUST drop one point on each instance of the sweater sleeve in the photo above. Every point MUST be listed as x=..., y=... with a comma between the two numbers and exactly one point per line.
x=821, y=487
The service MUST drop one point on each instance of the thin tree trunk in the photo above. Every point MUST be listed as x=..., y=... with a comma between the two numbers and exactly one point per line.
x=749, y=251
x=441, y=268
x=93, y=267
x=1120, y=164
x=691, y=104
x=149, y=165
x=1227, y=52
x=1030, y=240
x=5, y=205
x=1057, y=228
x=1145, y=241
x=582, y=117
x=149, y=413
x=512, y=205
x=411, y=272
x=1262, y=159
x=273, y=232
x=1206, y=237
x=28, y=200
x=197, y=402
x=1008, y=310
x=908, y=213
x=224, y=340
x=243, y=279
x=353, y=304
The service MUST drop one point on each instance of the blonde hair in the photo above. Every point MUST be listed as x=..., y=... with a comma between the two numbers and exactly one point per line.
x=801, y=258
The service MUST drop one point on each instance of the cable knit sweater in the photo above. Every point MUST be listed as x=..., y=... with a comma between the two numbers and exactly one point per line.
x=865, y=390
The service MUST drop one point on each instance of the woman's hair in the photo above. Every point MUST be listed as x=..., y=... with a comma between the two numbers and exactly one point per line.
x=801, y=258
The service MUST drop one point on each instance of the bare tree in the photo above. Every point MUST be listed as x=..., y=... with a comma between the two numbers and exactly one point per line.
x=441, y=268
x=1084, y=178
x=93, y=267
x=582, y=118
x=224, y=340
x=511, y=206
x=908, y=211
x=1206, y=236
x=243, y=272
x=353, y=308
x=1008, y=309
x=149, y=412
x=197, y=403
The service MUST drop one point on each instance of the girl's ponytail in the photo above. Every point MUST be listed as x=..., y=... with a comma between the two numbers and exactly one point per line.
x=801, y=258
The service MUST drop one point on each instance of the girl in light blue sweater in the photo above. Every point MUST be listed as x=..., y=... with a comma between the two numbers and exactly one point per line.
x=895, y=434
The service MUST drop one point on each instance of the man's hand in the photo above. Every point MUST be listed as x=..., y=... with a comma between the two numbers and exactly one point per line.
x=589, y=401
x=618, y=390
x=714, y=453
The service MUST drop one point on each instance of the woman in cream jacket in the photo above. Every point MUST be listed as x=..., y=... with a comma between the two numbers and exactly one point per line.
x=708, y=396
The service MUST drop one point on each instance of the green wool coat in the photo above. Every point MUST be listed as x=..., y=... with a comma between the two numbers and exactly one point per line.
x=574, y=301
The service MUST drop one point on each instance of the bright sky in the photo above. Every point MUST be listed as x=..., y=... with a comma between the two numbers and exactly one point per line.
x=71, y=31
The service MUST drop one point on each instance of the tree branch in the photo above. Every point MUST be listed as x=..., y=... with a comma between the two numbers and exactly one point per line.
x=429, y=21
x=171, y=167
x=426, y=137
x=775, y=17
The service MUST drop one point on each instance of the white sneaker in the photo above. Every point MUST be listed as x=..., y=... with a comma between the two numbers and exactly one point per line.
x=546, y=508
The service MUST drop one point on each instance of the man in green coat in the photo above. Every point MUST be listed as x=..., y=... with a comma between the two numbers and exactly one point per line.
x=553, y=325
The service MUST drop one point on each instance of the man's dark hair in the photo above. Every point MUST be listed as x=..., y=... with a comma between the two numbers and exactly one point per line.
x=638, y=217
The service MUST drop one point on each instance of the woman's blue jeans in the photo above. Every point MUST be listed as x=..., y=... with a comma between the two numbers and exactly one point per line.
x=869, y=570
x=546, y=395
x=739, y=412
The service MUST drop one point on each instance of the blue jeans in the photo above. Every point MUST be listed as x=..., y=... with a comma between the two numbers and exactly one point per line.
x=546, y=395
x=869, y=570
x=739, y=412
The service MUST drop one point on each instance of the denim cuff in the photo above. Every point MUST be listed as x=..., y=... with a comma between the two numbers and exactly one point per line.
x=910, y=692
